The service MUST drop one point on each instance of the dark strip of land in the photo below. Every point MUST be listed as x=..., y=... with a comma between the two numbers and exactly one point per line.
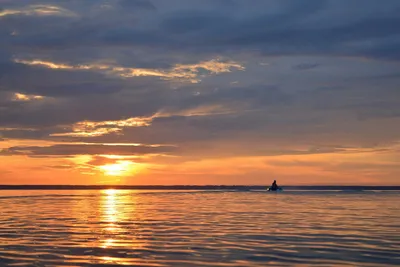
x=189, y=187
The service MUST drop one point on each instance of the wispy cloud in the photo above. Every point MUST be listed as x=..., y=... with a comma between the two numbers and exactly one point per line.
x=85, y=149
x=79, y=132
x=23, y=97
x=93, y=128
x=38, y=10
x=100, y=128
x=182, y=72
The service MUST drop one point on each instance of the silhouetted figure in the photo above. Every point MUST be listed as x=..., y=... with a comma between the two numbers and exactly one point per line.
x=274, y=186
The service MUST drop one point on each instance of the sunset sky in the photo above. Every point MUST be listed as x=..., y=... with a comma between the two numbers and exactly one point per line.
x=200, y=92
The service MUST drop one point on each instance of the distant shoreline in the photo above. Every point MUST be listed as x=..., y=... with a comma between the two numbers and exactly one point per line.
x=191, y=187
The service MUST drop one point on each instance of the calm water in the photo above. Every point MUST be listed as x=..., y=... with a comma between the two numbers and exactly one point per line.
x=199, y=228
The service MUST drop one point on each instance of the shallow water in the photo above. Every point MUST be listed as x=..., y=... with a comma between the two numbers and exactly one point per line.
x=199, y=228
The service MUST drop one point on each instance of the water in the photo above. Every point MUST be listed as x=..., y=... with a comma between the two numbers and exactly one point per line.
x=199, y=228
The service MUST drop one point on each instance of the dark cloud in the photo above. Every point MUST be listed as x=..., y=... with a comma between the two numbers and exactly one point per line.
x=255, y=96
x=195, y=22
x=53, y=112
x=137, y=4
x=305, y=66
x=26, y=133
x=284, y=32
x=292, y=29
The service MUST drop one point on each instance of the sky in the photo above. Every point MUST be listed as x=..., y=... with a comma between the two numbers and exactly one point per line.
x=200, y=92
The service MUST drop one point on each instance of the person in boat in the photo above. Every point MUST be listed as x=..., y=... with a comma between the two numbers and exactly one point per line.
x=274, y=186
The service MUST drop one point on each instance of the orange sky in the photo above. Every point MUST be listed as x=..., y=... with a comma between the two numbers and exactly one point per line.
x=348, y=168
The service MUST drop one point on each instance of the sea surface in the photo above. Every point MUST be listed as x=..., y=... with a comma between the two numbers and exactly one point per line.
x=199, y=228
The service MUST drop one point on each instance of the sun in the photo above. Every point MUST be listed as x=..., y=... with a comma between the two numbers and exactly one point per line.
x=120, y=168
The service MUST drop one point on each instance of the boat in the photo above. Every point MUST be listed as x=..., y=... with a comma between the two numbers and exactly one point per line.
x=274, y=187
x=279, y=189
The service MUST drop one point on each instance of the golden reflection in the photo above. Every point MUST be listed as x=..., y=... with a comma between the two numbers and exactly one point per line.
x=110, y=192
x=117, y=209
x=115, y=260
x=110, y=209
x=108, y=243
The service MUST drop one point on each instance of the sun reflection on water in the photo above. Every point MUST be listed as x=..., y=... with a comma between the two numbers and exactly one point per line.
x=111, y=217
x=117, y=209
x=110, y=207
x=108, y=243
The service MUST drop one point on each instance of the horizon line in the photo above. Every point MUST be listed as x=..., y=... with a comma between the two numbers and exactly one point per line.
x=182, y=187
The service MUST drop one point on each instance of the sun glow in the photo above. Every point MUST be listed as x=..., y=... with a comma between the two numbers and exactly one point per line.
x=120, y=168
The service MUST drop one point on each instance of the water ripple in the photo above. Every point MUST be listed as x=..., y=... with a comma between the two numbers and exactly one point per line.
x=138, y=228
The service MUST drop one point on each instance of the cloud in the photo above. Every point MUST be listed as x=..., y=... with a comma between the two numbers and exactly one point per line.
x=270, y=27
x=99, y=161
x=85, y=149
x=24, y=133
x=100, y=128
x=23, y=97
x=61, y=167
x=137, y=4
x=91, y=128
x=305, y=66
x=38, y=10
x=185, y=72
